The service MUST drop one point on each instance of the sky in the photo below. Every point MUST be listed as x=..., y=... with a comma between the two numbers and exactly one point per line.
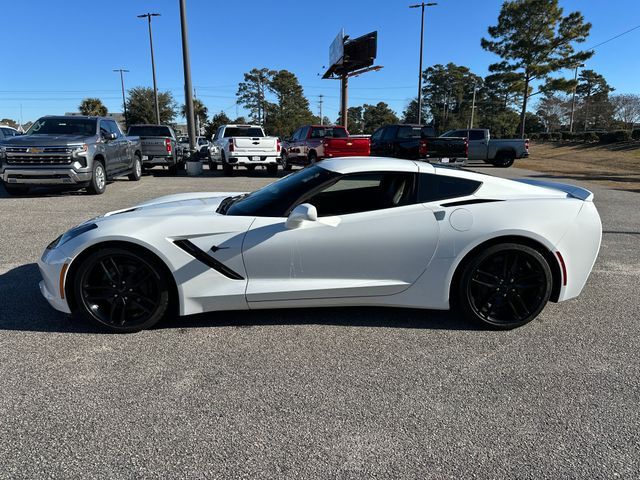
x=55, y=53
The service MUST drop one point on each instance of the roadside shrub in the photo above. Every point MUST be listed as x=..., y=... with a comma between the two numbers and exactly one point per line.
x=534, y=136
x=636, y=134
x=571, y=136
x=615, y=136
x=555, y=136
x=590, y=137
x=545, y=136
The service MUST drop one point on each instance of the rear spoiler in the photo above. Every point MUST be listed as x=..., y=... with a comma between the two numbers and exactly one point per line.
x=571, y=190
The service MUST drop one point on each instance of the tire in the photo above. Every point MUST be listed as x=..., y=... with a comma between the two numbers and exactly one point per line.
x=136, y=171
x=173, y=169
x=16, y=190
x=121, y=290
x=284, y=159
x=272, y=169
x=504, y=286
x=312, y=157
x=227, y=168
x=98, y=182
x=251, y=168
x=504, y=160
x=213, y=165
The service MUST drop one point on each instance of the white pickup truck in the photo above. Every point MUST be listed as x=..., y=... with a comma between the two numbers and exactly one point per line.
x=244, y=146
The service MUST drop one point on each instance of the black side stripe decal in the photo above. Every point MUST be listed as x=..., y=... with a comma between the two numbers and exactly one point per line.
x=209, y=261
x=469, y=202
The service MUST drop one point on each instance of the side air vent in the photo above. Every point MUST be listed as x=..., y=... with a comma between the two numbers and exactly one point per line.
x=209, y=261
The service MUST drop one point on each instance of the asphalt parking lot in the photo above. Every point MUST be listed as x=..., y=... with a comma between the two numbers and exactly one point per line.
x=316, y=393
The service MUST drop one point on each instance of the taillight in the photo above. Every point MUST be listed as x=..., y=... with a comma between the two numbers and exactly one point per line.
x=526, y=144
x=167, y=144
x=278, y=145
x=231, y=145
x=423, y=149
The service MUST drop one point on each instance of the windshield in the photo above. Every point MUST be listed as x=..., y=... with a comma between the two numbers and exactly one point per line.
x=63, y=126
x=328, y=132
x=149, y=131
x=276, y=199
x=243, y=132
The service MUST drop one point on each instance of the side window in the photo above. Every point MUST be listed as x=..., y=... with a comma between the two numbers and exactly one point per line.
x=303, y=133
x=389, y=133
x=295, y=135
x=476, y=135
x=363, y=192
x=113, y=127
x=377, y=135
x=104, y=128
x=441, y=187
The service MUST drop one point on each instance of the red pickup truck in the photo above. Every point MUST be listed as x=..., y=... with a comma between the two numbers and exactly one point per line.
x=311, y=143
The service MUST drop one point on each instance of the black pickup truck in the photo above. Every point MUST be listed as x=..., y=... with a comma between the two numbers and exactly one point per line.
x=415, y=142
x=159, y=146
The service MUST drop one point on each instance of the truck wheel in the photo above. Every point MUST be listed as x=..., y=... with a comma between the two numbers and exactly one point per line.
x=284, y=159
x=16, y=189
x=98, y=182
x=213, y=165
x=227, y=169
x=251, y=168
x=136, y=170
x=272, y=169
x=173, y=169
x=504, y=160
x=312, y=157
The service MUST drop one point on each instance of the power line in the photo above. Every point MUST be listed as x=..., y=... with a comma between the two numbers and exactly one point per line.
x=614, y=37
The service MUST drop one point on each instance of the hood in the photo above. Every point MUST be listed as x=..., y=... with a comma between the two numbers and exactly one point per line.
x=45, y=140
x=180, y=204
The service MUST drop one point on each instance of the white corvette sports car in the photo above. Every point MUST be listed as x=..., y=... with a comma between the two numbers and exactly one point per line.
x=357, y=231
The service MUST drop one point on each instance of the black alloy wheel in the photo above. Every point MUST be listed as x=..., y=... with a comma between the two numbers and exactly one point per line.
x=284, y=160
x=122, y=290
x=504, y=160
x=505, y=286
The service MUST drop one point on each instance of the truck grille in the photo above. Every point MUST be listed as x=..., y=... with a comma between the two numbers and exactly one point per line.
x=39, y=155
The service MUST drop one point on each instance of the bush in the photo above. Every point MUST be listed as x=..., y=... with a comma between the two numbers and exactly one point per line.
x=614, y=136
x=636, y=134
x=555, y=136
x=534, y=136
x=571, y=136
x=545, y=136
x=590, y=137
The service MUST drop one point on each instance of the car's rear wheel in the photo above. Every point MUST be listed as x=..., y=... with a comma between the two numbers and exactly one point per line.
x=504, y=160
x=121, y=290
x=227, y=168
x=213, y=165
x=98, y=183
x=505, y=286
x=136, y=170
x=312, y=157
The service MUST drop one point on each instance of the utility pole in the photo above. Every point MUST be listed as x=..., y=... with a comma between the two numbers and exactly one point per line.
x=153, y=64
x=188, y=87
x=573, y=100
x=344, y=101
x=473, y=106
x=196, y=117
x=124, y=100
x=421, y=5
x=320, y=102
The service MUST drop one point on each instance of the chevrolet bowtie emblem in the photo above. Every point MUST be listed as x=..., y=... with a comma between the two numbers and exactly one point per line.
x=35, y=150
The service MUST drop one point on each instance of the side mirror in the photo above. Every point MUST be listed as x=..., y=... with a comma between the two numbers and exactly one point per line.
x=110, y=136
x=305, y=212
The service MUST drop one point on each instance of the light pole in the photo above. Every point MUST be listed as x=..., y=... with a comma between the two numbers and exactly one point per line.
x=473, y=106
x=153, y=64
x=124, y=101
x=188, y=88
x=573, y=100
x=421, y=5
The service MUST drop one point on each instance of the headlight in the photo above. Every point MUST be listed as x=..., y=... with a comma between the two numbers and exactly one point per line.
x=80, y=149
x=71, y=234
x=3, y=152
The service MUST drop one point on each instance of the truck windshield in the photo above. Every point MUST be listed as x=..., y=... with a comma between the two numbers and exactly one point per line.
x=243, y=132
x=328, y=132
x=275, y=199
x=63, y=126
x=149, y=131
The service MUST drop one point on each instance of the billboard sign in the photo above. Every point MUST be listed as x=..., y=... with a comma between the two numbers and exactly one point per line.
x=336, y=49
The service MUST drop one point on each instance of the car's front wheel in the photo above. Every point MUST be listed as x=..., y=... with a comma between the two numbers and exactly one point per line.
x=121, y=290
x=98, y=182
x=136, y=169
x=505, y=286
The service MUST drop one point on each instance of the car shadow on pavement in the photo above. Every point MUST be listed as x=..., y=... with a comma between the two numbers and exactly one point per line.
x=47, y=191
x=23, y=308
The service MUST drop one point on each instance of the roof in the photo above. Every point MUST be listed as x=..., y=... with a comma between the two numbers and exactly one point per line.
x=367, y=164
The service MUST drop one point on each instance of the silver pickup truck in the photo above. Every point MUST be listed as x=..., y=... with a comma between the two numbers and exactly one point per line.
x=498, y=152
x=76, y=151
x=159, y=146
